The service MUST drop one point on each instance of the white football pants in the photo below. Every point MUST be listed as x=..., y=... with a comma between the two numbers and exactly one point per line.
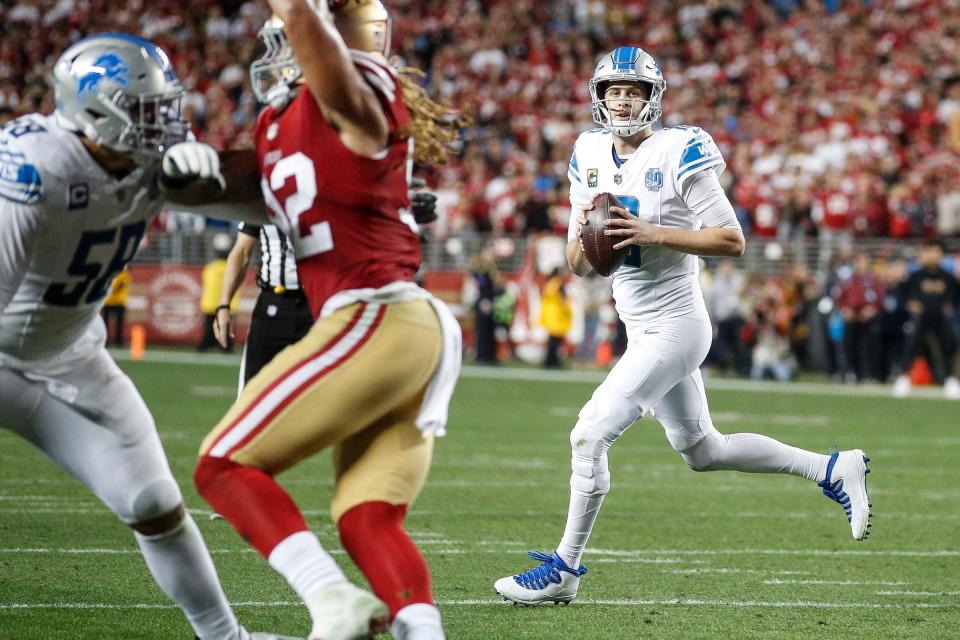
x=92, y=422
x=660, y=373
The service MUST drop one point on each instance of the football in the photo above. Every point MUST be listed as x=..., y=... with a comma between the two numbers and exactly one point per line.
x=597, y=247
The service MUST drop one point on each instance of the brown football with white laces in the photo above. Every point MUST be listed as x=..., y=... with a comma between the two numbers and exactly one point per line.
x=597, y=247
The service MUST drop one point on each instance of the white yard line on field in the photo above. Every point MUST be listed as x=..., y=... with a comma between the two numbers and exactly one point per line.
x=213, y=391
x=135, y=605
x=885, y=583
x=940, y=553
x=612, y=553
x=917, y=593
x=693, y=602
x=761, y=572
x=645, y=561
x=682, y=602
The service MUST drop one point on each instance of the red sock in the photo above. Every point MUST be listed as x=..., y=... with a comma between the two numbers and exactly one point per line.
x=373, y=535
x=251, y=500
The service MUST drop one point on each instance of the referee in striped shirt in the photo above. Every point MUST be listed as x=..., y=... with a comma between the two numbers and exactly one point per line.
x=281, y=315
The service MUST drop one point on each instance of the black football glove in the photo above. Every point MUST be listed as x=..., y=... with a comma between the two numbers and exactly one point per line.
x=424, y=207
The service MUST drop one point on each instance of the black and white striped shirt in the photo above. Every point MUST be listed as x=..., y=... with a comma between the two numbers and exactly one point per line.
x=278, y=267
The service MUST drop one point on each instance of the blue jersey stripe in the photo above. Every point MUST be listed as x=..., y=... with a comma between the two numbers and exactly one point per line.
x=701, y=164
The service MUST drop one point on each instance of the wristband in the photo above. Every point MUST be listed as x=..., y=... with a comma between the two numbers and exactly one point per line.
x=221, y=306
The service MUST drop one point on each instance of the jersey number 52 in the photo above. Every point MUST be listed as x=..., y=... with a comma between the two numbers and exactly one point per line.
x=310, y=235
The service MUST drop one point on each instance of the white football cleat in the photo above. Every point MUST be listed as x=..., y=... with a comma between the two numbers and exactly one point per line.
x=951, y=388
x=902, y=386
x=417, y=621
x=552, y=581
x=846, y=484
x=346, y=612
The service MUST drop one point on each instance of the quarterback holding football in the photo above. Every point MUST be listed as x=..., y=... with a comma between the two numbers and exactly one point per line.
x=674, y=210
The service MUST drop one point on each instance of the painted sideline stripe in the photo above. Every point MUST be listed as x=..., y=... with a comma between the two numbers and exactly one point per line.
x=595, y=377
x=682, y=602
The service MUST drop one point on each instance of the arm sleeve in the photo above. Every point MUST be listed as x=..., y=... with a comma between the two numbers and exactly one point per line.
x=705, y=197
x=19, y=226
x=580, y=196
x=249, y=229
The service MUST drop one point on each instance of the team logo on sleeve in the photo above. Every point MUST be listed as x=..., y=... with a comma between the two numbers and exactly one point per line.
x=591, y=177
x=653, y=179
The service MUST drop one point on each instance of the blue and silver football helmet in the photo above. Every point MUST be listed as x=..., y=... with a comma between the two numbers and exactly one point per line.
x=120, y=91
x=627, y=64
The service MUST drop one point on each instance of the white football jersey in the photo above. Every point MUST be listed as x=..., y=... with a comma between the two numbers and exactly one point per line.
x=654, y=282
x=67, y=227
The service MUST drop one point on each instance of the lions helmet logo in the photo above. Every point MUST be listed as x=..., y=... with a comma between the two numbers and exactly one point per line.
x=110, y=66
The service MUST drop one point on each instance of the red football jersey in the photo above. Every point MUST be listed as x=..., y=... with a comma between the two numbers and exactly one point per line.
x=347, y=215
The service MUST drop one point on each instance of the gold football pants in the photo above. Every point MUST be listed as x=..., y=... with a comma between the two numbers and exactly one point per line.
x=354, y=382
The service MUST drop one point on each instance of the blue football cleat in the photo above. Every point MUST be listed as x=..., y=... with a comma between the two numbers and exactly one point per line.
x=846, y=484
x=552, y=581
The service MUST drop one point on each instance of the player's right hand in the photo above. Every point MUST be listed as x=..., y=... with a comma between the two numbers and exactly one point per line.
x=223, y=327
x=188, y=162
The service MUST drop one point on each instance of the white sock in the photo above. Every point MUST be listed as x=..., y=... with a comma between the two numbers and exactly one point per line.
x=417, y=622
x=581, y=515
x=754, y=453
x=307, y=567
x=181, y=565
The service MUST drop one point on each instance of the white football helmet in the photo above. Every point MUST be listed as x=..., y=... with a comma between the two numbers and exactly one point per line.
x=364, y=25
x=627, y=64
x=121, y=92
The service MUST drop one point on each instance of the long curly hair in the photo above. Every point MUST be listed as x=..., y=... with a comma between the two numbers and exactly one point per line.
x=434, y=127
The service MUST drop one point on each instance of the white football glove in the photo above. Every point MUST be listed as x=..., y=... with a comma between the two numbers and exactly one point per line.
x=187, y=162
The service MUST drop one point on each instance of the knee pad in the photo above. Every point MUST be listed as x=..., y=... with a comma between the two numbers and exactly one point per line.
x=155, y=499
x=591, y=475
x=701, y=456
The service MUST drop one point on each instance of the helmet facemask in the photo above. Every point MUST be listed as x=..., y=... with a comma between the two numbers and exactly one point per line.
x=276, y=71
x=363, y=24
x=154, y=123
x=643, y=112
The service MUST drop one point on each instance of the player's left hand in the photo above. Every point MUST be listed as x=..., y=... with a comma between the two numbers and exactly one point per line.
x=632, y=229
x=423, y=204
x=189, y=162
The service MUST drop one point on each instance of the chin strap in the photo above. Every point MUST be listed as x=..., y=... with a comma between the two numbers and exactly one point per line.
x=279, y=96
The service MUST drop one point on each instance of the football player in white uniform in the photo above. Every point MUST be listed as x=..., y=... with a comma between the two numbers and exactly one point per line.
x=675, y=210
x=77, y=191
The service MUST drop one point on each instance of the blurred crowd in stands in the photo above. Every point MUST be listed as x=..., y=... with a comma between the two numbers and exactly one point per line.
x=866, y=320
x=837, y=119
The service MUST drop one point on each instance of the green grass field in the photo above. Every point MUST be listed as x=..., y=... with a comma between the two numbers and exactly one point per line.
x=675, y=554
